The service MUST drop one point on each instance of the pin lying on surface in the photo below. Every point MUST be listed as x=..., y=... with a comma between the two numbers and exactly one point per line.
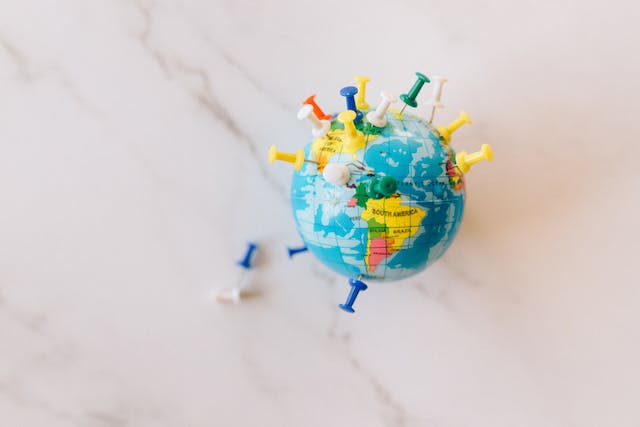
x=349, y=92
x=356, y=287
x=465, y=160
x=410, y=98
x=446, y=131
x=296, y=159
x=436, y=95
x=319, y=128
x=320, y=115
x=353, y=137
x=378, y=117
x=248, y=257
x=294, y=251
x=362, y=85
x=234, y=294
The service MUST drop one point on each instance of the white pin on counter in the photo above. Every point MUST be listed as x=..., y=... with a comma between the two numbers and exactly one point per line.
x=233, y=294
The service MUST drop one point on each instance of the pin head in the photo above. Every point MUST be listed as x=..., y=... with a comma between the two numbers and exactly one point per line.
x=422, y=77
x=464, y=117
x=336, y=173
x=487, y=152
x=305, y=111
x=388, y=96
x=347, y=116
x=349, y=91
x=273, y=152
x=387, y=186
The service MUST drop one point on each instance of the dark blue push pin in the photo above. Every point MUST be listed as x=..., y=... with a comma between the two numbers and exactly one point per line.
x=356, y=287
x=349, y=92
x=293, y=251
x=246, y=261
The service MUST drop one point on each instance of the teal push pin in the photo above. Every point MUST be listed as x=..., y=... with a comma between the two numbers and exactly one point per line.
x=410, y=98
x=382, y=187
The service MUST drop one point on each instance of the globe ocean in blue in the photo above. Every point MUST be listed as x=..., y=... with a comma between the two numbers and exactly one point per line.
x=355, y=229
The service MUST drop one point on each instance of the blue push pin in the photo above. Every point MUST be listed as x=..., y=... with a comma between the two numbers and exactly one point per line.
x=246, y=261
x=356, y=287
x=293, y=251
x=349, y=92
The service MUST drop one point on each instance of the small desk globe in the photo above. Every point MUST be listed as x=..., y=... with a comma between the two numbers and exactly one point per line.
x=398, y=210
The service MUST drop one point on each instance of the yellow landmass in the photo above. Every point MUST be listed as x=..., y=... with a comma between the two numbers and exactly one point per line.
x=400, y=222
x=335, y=142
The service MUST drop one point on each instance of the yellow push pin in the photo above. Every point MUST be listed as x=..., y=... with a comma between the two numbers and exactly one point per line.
x=354, y=137
x=297, y=158
x=361, y=104
x=446, y=131
x=466, y=160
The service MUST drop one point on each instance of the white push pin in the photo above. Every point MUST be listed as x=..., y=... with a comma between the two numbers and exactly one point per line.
x=319, y=128
x=436, y=95
x=233, y=294
x=377, y=117
x=336, y=173
x=227, y=295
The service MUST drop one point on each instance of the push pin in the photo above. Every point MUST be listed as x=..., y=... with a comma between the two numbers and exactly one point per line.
x=319, y=128
x=248, y=257
x=234, y=294
x=293, y=251
x=382, y=187
x=446, y=131
x=465, y=160
x=354, y=137
x=362, y=85
x=378, y=117
x=410, y=98
x=316, y=110
x=356, y=287
x=336, y=173
x=349, y=92
x=297, y=158
x=436, y=95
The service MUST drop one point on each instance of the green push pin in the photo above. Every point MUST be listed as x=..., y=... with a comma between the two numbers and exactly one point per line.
x=382, y=187
x=410, y=98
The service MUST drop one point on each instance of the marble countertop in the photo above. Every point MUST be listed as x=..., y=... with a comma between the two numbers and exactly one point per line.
x=133, y=171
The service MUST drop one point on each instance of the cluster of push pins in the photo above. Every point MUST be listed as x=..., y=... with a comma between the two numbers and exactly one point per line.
x=353, y=139
x=235, y=293
x=320, y=122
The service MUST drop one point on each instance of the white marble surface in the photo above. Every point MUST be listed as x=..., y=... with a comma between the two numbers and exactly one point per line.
x=132, y=171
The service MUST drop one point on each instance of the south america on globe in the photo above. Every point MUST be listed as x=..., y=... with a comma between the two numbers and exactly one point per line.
x=378, y=194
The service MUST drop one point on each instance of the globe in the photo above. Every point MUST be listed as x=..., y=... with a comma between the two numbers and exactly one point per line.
x=396, y=208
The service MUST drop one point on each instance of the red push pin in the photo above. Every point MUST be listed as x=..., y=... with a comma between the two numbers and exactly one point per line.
x=316, y=110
